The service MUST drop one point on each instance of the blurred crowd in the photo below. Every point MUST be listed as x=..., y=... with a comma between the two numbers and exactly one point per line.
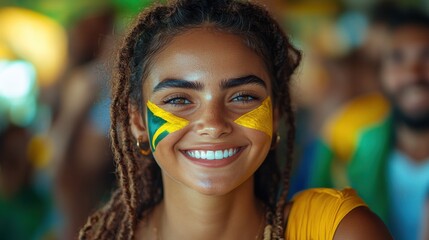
x=361, y=97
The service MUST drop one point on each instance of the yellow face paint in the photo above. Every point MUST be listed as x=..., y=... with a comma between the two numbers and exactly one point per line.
x=161, y=123
x=260, y=119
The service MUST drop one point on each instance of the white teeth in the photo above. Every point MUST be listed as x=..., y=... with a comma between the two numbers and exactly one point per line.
x=218, y=154
x=225, y=153
x=212, y=155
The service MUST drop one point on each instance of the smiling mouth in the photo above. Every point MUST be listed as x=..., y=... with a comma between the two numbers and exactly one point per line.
x=213, y=154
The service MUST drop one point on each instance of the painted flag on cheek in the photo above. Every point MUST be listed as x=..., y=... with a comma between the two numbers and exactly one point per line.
x=161, y=123
x=260, y=118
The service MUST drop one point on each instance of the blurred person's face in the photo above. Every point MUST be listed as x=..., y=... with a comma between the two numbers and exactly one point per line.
x=405, y=75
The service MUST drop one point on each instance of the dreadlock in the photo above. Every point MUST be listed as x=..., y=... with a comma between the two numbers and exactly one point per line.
x=140, y=184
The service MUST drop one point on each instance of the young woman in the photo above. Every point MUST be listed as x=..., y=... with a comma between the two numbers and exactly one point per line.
x=199, y=93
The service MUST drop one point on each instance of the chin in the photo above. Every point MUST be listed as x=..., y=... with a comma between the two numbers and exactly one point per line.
x=210, y=188
x=219, y=185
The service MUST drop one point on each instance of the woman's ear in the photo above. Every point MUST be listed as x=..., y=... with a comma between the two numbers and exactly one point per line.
x=138, y=128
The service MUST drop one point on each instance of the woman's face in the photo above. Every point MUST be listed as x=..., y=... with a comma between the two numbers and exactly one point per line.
x=208, y=79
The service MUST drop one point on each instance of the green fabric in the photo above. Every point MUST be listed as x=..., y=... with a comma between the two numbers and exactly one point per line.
x=367, y=168
x=22, y=215
x=365, y=171
x=320, y=172
x=66, y=12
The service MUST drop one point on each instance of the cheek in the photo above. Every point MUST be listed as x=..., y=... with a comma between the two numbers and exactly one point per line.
x=161, y=124
x=260, y=119
x=260, y=144
x=390, y=80
x=258, y=138
x=165, y=150
x=426, y=74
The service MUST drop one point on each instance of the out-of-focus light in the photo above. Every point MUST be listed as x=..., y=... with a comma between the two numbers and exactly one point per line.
x=16, y=79
x=35, y=38
x=352, y=26
x=18, y=93
x=5, y=52
x=23, y=112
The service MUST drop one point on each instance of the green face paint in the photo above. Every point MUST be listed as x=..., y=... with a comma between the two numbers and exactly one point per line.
x=260, y=118
x=161, y=123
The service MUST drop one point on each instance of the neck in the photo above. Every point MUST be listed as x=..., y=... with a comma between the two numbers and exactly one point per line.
x=413, y=143
x=187, y=214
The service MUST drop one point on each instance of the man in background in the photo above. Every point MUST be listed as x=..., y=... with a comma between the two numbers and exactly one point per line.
x=405, y=82
x=384, y=155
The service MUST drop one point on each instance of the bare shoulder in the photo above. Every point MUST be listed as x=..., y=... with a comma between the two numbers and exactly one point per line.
x=361, y=223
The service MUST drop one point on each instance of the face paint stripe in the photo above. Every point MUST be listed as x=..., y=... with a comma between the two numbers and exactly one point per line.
x=154, y=123
x=260, y=118
x=161, y=136
x=161, y=123
x=158, y=132
x=169, y=117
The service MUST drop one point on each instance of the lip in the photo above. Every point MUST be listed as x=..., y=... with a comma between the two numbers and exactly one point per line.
x=216, y=163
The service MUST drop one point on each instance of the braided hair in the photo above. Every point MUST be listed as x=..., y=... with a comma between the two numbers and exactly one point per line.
x=140, y=184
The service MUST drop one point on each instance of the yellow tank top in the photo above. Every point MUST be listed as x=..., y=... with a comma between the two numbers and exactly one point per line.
x=316, y=213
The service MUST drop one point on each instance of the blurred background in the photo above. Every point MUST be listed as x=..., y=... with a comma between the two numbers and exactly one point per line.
x=55, y=61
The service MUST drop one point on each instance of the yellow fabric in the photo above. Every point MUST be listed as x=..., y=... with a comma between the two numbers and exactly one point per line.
x=316, y=213
x=260, y=118
x=343, y=129
x=173, y=122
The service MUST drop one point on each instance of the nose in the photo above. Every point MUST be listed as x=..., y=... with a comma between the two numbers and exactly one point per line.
x=213, y=121
x=415, y=72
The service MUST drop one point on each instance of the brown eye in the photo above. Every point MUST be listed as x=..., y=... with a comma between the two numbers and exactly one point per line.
x=244, y=98
x=177, y=101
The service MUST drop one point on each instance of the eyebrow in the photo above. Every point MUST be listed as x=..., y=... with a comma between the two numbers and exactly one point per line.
x=225, y=84
x=177, y=83
x=235, y=82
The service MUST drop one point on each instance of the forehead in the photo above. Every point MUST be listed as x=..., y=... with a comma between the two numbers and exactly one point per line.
x=409, y=35
x=206, y=54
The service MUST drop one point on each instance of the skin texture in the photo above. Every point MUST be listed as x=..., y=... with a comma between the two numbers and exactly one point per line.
x=405, y=79
x=215, y=202
x=361, y=223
